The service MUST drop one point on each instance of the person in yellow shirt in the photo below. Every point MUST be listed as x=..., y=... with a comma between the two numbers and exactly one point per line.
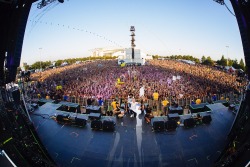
x=113, y=104
x=155, y=95
x=164, y=103
x=155, y=98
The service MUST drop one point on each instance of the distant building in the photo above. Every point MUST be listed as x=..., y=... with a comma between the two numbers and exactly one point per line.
x=104, y=51
x=124, y=55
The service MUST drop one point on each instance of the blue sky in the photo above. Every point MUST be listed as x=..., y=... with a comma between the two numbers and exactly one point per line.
x=163, y=27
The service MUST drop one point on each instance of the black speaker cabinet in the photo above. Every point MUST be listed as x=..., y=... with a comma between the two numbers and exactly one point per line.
x=96, y=124
x=174, y=116
x=80, y=122
x=62, y=118
x=206, y=119
x=108, y=125
x=158, y=124
x=93, y=109
x=188, y=123
x=170, y=125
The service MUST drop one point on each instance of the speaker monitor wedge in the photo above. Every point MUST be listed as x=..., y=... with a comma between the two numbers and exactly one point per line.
x=206, y=119
x=170, y=125
x=188, y=123
x=80, y=122
x=96, y=124
x=108, y=125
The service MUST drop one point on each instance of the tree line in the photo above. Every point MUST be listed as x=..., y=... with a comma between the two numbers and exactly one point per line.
x=204, y=60
x=57, y=63
x=207, y=60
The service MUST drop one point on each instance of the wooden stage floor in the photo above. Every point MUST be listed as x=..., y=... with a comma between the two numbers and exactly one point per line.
x=133, y=143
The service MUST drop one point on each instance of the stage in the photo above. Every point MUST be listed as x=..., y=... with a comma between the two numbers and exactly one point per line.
x=133, y=143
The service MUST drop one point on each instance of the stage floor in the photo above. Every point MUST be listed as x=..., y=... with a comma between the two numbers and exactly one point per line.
x=133, y=143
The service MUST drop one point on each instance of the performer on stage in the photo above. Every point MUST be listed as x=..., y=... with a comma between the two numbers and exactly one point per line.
x=132, y=109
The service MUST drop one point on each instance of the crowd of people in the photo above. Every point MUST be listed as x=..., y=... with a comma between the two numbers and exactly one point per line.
x=106, y=79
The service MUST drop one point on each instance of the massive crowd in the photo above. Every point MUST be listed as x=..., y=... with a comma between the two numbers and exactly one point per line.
x=104, y=78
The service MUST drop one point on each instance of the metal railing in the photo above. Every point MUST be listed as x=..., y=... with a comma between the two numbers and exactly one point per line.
x=183, y=102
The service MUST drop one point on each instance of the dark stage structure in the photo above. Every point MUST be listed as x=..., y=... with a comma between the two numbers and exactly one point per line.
x=26, y=140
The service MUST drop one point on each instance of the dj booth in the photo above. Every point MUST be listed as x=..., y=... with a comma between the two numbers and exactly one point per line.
x=178, y=110
x=195, y=108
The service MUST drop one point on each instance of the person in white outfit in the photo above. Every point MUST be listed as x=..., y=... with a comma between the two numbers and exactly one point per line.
x=133, y=108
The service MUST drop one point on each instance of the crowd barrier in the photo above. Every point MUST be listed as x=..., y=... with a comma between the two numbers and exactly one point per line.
x=183, y=102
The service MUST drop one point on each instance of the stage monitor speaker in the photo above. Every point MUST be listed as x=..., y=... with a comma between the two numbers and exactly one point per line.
x=93, y=109
x=206, y=119
x=80, y=122
x=170, y=125
x=72, y=109
x=108, y=125
x=62, y=117
x=96, y=124
x=174, y=116
x=158, y=124
x=188, y=123
x=16, y=96
x=95, y=116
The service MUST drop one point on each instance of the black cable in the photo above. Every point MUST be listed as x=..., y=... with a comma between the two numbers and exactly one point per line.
x=229, y=10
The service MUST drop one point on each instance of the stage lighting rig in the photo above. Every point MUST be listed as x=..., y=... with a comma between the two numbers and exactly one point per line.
x=44, y=3
x=132, y=30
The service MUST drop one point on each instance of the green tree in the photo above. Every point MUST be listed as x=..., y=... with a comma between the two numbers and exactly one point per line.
x=236, y=64
x=242, y=64
x=230, y=62
x=36, y=65
x=197, y=61
x=58, y=63
x=155, y=56
x=223, y=61
x=208, y=61
x=203, y=59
